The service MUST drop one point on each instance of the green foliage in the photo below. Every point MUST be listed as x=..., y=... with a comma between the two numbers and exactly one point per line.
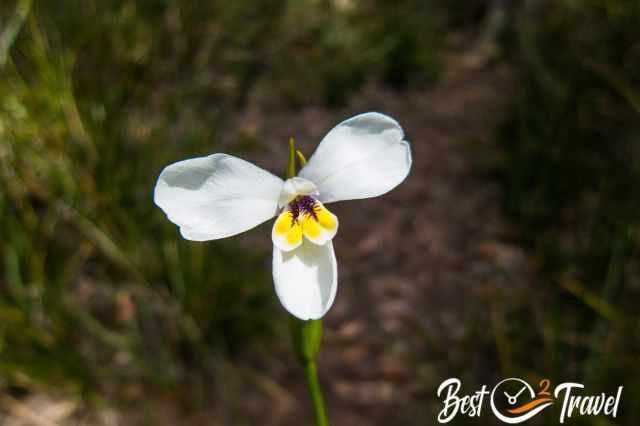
x=571, y=175
x=405, y=37
x=93, y=275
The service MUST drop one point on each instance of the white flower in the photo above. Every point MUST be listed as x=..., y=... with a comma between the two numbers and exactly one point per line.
x=220, y=195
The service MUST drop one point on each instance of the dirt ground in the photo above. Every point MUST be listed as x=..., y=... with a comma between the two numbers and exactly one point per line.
x=420, y=269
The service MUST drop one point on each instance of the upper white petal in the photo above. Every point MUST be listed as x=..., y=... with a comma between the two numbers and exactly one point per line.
x=216, y=196
x=296, y=186
x=362, y=157
x=306, y=279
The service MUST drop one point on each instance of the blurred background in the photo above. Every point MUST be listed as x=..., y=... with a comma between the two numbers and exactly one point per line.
x=511, y=250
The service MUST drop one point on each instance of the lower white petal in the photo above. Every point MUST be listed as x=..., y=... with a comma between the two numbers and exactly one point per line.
x=216, y=196
x=306, y=279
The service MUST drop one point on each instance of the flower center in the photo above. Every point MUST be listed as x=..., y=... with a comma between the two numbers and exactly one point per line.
x=303, y=216
x=303, y=204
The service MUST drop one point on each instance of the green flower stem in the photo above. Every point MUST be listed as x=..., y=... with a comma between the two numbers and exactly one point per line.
x=306, y=336
x=291, y=164
x=315, y=393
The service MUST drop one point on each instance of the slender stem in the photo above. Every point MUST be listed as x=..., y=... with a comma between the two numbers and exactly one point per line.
x=291, y=164
x=315, y=393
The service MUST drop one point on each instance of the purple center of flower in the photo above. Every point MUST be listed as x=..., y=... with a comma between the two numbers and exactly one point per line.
x=303, y=204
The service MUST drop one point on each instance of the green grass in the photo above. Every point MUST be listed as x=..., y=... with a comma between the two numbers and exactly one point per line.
x=570, y=168
x=92, y=270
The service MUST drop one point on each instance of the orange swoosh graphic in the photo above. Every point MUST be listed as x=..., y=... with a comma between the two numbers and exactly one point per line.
x=530, y=405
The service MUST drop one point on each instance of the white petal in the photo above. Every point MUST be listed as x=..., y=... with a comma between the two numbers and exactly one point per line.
x=306, y=279
x=216, y=196
x=296, y=186
x=362, y=157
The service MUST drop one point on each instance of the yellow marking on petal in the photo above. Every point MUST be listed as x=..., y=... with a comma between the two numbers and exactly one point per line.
x=287, y=232
x=319, y=227
x=294, y=237
x=310, y=227
x=284, y=223
x=326, y=219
